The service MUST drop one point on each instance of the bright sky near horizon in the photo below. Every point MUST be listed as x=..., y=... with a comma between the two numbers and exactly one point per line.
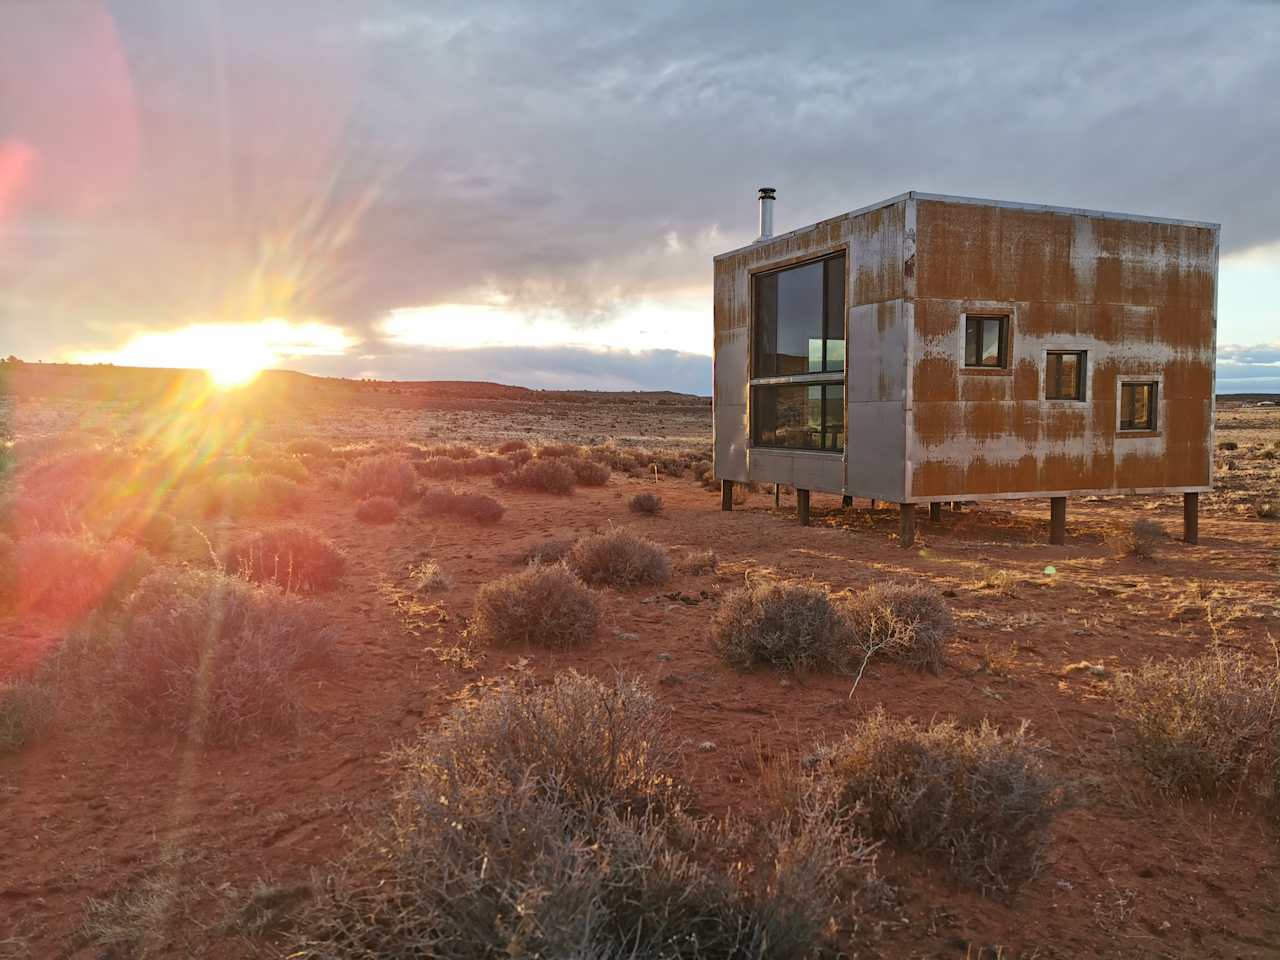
x=488, y=191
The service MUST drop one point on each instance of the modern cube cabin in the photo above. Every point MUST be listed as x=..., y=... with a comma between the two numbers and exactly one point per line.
x=933, y=349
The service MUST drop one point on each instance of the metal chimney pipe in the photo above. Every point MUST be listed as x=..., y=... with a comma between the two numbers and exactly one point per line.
x=766, y=213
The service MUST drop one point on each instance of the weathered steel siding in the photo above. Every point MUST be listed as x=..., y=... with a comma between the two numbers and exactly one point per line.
x=875, y=352
x=1138, y=296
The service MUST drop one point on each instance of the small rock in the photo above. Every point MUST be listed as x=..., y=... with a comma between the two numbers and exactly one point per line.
x=706, y=746
x=664, y=657
x=628, y=637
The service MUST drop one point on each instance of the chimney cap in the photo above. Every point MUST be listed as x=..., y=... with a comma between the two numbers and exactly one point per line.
x=767, y=193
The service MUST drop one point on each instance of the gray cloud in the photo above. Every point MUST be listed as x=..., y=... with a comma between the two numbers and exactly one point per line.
x=338, y=160
x=1253, y=369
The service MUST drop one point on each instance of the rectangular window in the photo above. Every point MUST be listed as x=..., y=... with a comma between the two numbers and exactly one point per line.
x=1138, y=406
x=1064, y=375
x=986, y=341
x=799, y=319
x=799, y=416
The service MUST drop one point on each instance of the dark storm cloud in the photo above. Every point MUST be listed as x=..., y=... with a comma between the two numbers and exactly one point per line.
x=336, y=160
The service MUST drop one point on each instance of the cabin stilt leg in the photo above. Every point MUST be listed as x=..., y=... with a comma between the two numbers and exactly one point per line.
x=1191, y=518
x=726, y=495
x=907, y=523
x=802, y=507
x=777, y=495
x=873, y=504
x=846, y=501
x=1057, y=520
x=935, y=511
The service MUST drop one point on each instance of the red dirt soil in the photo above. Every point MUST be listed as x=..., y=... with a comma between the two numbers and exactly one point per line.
x=98, y=805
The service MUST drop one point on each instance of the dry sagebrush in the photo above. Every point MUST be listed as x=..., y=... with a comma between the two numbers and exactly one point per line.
x=545, y=606
x=646, y=503
x=384, y=475
x=789, y=625
x=620, y=559
x=548, y=476
x=547, y=822
x=26, y=708
x=1202, y=725
x=469, y=506
x=70, y=576
x=377, y=510
x=979, y=799
x=295, y=558
x=1140, y=539
x=902, y=622
x=211, y=656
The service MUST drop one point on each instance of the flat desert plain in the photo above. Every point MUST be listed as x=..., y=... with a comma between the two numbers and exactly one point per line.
x=185, y=827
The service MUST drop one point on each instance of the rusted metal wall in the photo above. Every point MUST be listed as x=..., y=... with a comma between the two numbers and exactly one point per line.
x=876, y=336
x=1137, y=295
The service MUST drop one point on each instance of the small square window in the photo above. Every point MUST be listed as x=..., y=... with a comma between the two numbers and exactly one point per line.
x=986, y=341
x=1138, y=406
x=1064, y=375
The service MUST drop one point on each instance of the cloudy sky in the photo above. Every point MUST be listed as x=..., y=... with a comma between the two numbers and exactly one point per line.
x=532, y=192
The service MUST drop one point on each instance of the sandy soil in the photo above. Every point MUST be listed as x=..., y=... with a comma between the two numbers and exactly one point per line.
x=94, y=809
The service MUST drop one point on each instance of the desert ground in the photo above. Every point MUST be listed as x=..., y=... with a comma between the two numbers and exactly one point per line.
x=192, y=827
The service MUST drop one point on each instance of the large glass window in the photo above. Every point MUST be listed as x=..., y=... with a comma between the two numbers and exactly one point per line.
x=797, y=394
x=799, y=319
x=799, y=416
x=1138, y=406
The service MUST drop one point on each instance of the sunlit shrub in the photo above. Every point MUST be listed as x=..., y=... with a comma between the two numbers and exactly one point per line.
x=291, y=557
x=70, y=576
x=620, y=559
x=647, y=503
x=470, y=506
x=548, y=476
x=904, y=622
x=377, y=510
x=790, y=625
x=545, y=606
x=382, y=475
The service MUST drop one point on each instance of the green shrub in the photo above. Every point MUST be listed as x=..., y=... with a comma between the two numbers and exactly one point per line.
x=620, y=559
x=548, y=476
x=908, y=623
x=790, y=625
x=382, y=475
x=291, y=557
x=546, y=606
x=980, y=800
x=377, y=510
x=1201, y=725
x=25, y=710
x=211, y=656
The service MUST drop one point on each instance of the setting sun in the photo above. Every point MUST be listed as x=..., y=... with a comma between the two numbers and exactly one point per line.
x=232, y=353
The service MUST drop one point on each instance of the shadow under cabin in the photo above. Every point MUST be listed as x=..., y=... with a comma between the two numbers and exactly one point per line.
x=933, y=349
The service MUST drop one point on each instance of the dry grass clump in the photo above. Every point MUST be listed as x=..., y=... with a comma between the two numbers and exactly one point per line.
x=981, y=800
x=240, y=495
x=620, y=559
x=547, y=822
x=790, y=625
x=511, y=446
x=25, y=710
x=647, y=503
x=69, y=576
x=546, y=606
x=1228, y=445
x=382, y=475
x=440, y=468
x=1140, y=539
x=428, y=576
x=548, y=551
x=452, y=451
x=699, y=562
x=308, y=447
x=288, y=467
x=294, y=558
x=1268, y=509
x=469, y=506
x=548, y=476
x=152, y=529
x=588, y=472
x=22, y=515
x=377, y=510
x=1203, y=724
x=904, y=622
x=210, y=655
x=552, y=451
